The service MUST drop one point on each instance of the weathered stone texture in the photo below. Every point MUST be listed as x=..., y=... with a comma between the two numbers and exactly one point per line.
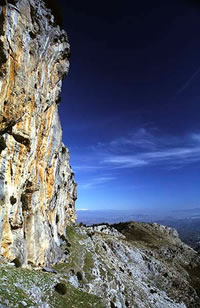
x=37, y=189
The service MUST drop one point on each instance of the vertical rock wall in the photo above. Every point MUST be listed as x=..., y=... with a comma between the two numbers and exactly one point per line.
x=37, y=188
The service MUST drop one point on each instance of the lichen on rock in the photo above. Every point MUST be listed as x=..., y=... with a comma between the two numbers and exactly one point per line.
x=37, y=188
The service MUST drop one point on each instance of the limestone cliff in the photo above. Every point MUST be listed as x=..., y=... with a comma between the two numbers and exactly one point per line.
x=37, y=188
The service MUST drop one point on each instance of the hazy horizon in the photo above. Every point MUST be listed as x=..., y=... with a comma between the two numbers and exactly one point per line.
x=148, y=215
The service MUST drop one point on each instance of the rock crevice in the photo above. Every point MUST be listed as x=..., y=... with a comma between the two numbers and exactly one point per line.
x=37, y=188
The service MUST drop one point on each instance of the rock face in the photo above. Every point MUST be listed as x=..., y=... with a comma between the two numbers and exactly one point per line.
x=37, y=188
x=133, y=265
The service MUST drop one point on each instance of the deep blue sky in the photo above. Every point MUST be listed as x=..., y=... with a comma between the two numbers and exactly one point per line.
x=131, y=103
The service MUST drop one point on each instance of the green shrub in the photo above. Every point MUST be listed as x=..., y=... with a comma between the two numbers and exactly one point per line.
x=61, y=288
x=79, y=276
x=17, y=262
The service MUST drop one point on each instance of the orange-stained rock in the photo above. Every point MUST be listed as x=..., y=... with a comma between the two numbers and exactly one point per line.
x=37, y=188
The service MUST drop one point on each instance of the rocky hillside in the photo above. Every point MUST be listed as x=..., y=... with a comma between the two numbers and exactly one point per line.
x=37, y=189
x=127, y=265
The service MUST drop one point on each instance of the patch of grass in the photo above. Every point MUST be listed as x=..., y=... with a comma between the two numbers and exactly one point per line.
x=102, y=273
x=141, y=233
x=80, y=261
x=12, y=287
x=75, y=298
x=88, y=266
x=73, y=236
x=36, y=287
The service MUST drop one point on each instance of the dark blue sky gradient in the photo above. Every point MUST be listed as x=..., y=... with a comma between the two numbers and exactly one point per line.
x=130, y=104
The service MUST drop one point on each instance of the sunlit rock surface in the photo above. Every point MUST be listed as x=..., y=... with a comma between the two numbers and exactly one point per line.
x=134, y=265
x=37, y=189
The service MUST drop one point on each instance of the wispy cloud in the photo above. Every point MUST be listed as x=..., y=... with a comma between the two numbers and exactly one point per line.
x=141, y=149
x=169, y=151
x=84, y=210
x=188, y=82
x=86, y=167
x=96, y=182
x=181, y=156
x=141, y=139
x=125, y=161
x=196, y=137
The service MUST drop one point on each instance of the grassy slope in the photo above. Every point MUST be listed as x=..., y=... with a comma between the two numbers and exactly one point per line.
x=19, y=285
x=79, y=259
